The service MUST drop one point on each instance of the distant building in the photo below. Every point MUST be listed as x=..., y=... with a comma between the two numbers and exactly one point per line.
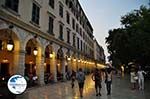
x=46, y=36
x=99, y=55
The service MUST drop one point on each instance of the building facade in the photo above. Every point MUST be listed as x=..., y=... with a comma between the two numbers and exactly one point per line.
x=41, y=37
x=99, y=55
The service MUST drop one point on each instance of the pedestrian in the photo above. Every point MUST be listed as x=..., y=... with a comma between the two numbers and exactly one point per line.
x=73, y=76
x=108, y=80
x=140, y=74
x=81, y=79
x=133, y=78
x=96, y=77
x=35, y=79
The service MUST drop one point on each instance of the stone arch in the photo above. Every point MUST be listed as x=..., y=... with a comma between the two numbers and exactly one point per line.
x=30, y=58
x=60, y=66
x=68, y=54
x=48, y=58
x=9, y=58
x=60, y=53
x=48, y=51
x=35, y=38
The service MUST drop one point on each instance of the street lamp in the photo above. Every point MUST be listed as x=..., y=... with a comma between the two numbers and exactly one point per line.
x=35, y=51
x=69, y=58
x=51, y=55
x=79, y=60
x=10, y=43
x=74, y=59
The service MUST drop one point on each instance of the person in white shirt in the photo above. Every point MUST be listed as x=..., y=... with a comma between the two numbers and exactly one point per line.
x=108, y=80
x=132, y=78
x=140, y=74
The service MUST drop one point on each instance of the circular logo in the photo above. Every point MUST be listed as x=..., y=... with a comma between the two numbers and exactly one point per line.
x=17, y=84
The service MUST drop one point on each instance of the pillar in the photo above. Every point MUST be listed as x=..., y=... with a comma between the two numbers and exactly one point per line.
x=63, y=68
x=19, y=61
x=40, y=69
x=69, y=66
x=53, y=67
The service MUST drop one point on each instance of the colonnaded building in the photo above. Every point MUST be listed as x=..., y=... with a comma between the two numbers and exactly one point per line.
x=41, y=37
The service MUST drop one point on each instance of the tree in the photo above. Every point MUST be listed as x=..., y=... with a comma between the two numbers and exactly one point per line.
x=132, y=41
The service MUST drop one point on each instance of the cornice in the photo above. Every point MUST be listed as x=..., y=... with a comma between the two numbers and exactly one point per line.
x=11, y=19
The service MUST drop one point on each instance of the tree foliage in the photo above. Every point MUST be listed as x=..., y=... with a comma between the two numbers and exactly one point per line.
x=132, y=41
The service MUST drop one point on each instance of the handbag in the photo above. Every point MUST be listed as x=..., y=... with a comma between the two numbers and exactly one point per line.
x=136, y=78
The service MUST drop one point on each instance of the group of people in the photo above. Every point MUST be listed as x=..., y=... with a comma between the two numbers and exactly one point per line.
x=31, y=79
x=137, y=78
x=96, y=77
x=80, y=76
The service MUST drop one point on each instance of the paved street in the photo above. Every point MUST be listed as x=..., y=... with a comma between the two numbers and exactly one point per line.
x=120, y=90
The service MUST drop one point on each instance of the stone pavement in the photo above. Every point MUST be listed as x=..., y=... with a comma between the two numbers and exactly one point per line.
x=62, y=90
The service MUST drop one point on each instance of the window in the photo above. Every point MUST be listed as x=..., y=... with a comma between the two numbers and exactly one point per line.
x=61, y=31
x=78, y=46
x=80, y=31
x=80, y=20
x=74, y=40
x=51, y=21
x=68, y=36
x=68, y=17
x=67, y=2
x=12, y=4
x=77, y=17
x=77, y=28
x=84, y=47
x=83, y=35
x=73, y=23
x=35, y=13
x=61, y=10
x=51, y=3
x=81, y=45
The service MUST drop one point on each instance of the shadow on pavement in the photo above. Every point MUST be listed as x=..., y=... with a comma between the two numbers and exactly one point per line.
x=5, y=93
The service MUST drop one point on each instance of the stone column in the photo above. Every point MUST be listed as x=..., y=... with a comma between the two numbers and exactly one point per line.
x=63, y=68
x=69, y=66
x=40, y=69
x=53, y=67
x=19, y=62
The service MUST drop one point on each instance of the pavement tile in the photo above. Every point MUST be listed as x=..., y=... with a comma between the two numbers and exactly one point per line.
x=62, y=90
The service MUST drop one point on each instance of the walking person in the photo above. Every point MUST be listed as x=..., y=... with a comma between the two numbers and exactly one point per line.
x=133, y=78
x=108, y=80
x=140, y=74
x=73, y=76
x=81, y=79
x=96, y=77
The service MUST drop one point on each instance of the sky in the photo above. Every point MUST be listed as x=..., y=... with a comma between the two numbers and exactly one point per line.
x=106, y=14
